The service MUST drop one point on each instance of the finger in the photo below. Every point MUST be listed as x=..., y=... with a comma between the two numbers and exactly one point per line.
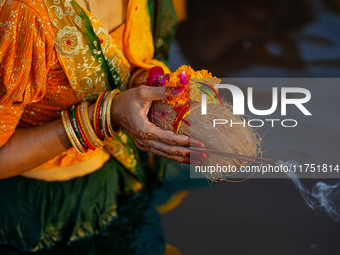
x=171, y=138
x=178, y=159
x=175, y=150
x=160, y=93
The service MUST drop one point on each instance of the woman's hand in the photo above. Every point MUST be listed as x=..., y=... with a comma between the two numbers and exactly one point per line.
x=130, y=111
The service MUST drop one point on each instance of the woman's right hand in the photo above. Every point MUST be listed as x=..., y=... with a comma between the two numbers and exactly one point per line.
x=130, y=111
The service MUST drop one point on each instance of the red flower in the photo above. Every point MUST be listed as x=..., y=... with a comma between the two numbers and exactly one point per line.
x=157, y=78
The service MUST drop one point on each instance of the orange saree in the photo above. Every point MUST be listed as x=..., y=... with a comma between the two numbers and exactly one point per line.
x=46, y=80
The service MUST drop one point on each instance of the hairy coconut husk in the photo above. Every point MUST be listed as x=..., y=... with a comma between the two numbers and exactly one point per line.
x=236, y=139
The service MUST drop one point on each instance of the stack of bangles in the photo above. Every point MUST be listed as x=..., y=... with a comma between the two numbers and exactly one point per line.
x=85, y=135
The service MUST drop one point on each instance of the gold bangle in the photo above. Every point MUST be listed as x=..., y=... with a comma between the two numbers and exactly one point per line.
x=95, y=113
x=63, y=118
x=103, y=115
x=134, y=76
x=73, y=134
x=88, y=127
x=66, y=121
x=105, y=127
x=108, y=116
x=82, y=125
x=92, y=136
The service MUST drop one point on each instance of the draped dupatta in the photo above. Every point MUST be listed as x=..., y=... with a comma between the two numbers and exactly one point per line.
x=93, y=63
x=85, y=48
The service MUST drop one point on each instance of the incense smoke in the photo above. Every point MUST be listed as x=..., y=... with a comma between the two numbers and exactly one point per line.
x=324, y=198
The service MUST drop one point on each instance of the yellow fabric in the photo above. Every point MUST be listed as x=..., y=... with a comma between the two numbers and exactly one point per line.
x=138, y=41
x=180, y=9
x=113, y=48
x=69, y=172
x=173, y=202
x=83, y=67
x=170, y=250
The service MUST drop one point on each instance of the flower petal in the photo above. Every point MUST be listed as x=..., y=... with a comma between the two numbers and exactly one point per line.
x=152, y=81
x=183, y=78
x=156, y=71
x=164, y=79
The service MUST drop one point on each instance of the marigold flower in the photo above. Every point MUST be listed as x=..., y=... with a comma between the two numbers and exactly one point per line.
x=182, y=77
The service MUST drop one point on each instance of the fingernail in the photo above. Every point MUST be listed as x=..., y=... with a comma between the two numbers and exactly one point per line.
x=196, y=143
x=198, y=154
x=196, y=162
x=178, y=90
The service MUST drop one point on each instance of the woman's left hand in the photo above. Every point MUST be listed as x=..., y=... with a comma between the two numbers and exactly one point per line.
x=130, y=111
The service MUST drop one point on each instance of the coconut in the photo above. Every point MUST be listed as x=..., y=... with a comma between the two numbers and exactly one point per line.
x=235, y=139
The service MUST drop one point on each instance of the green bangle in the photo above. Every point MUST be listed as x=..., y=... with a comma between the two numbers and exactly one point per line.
x=76, y=129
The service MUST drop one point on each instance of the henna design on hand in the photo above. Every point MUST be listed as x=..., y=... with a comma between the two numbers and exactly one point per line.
x=130, y=110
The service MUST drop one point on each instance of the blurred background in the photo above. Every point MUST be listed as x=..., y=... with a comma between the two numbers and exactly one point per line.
x=261, y=38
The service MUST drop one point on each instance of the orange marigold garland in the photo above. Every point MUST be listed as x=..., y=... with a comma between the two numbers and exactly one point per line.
x=181, y=77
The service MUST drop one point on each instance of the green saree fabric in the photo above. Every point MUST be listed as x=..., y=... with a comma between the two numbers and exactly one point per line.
x=87, y=215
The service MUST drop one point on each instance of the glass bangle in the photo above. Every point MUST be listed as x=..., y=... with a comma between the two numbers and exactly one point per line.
x=81, y=129
x=74, y=136
x=76, y=128
x=85, y=131
x=95, y=119
x=75, y=142
x=101, y=125
x=104, y=122
x=88, y=127
x=108, y=116
x=98, y=110
x=64, y=117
